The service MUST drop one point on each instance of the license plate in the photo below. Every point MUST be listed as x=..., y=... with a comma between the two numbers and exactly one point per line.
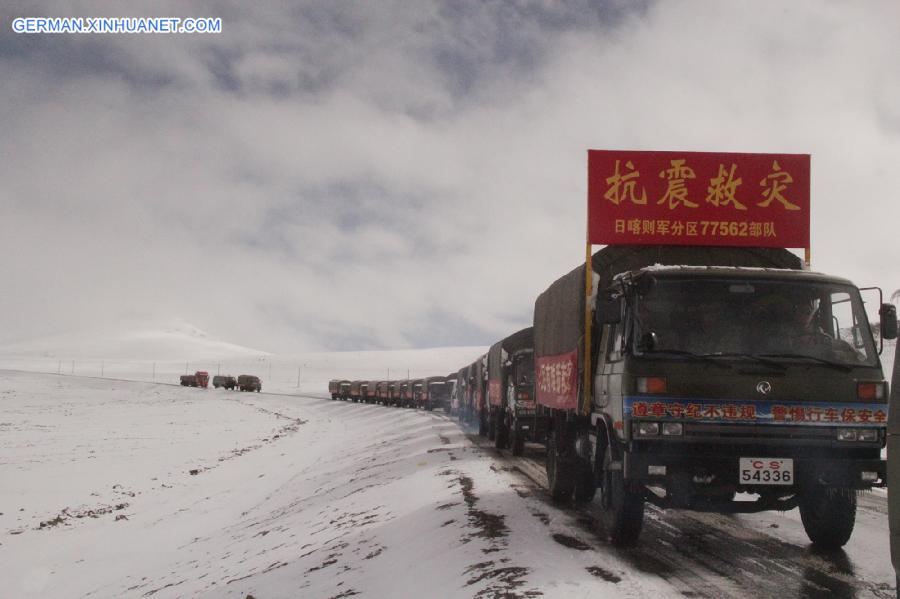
x=766, y=471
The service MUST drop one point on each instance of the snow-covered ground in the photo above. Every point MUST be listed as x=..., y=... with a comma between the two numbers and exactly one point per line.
x=115, y=489
x=125, y=487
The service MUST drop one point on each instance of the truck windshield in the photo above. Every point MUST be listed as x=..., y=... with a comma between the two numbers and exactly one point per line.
x=824, y=321
x=524, y=369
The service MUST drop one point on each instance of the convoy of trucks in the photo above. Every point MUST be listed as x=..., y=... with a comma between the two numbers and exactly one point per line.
x=684, y=365
x=727, y=380
x=245, y=382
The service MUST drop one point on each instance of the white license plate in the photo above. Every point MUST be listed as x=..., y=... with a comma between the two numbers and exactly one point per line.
x=766, y=471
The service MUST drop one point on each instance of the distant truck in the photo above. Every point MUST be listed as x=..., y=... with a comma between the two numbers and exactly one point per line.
x=382, y=393
x=356, y=390
x=435, y=392
x=334, y=388
x=198, y=379
x=513, y=415
x=221, y=380
x=715, y=371
x=249, y=382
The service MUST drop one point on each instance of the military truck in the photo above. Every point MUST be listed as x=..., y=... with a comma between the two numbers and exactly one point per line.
x=198, y=379
x=369, y=391
x=382, y=393
x=435, y=392
x=504, y=408
x=458, y=399
x=249, y=382
x=479, y=394
x=449, y=402
x=395, y=393
x=221, y=380
x=344, y=389
x=714, y=371
x=514, y=417
x=416, y=388
x=334, y=388
x=355, y=390
x=465, y=394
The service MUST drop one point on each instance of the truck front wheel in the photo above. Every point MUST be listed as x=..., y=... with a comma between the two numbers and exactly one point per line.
x=516, y=438
x=622, y=514
x=560, y=469
x=502, y=439
x=828, y=515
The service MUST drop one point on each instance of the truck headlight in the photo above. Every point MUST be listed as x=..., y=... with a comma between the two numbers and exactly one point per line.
x=672, y=428
x=646, y=429
x=846, y=434
x=867, y=434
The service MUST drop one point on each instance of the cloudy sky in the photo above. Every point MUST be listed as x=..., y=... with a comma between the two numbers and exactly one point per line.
x=365, y=175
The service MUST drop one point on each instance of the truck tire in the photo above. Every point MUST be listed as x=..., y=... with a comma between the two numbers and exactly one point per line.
x=828, y=515
x=492, y=425
x=622, y=513
x=502, y=439
x=482, y=425
x=516, y=438
x=560, y=475
x=585, y=485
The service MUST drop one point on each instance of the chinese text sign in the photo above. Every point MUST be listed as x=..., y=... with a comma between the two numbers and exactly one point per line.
x=698, y=198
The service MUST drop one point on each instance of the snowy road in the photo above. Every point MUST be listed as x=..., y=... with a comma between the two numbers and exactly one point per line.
x=120, y=489
x=759, y=555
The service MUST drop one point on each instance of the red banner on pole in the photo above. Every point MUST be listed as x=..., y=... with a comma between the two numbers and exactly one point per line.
x=698, y=198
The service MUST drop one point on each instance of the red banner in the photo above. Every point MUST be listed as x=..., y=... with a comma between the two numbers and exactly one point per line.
x=495, y=395
x=555, y=381
x=698, y=198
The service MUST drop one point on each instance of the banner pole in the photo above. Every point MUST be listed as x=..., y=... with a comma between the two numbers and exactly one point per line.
x=587, y=362
x=808, y=258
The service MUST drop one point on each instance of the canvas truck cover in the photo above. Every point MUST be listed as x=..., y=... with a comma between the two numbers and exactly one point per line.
x=559, y=310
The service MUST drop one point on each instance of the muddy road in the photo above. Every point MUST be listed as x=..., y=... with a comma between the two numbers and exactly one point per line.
x=750, y=555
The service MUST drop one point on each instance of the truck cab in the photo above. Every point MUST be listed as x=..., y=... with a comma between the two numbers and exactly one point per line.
x=713, y=381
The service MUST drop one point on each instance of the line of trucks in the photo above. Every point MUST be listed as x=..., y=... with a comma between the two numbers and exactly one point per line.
x=425, y=393
x=718, y=379
x=244, y=382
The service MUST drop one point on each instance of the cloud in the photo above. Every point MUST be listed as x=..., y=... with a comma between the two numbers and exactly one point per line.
x=405, y=175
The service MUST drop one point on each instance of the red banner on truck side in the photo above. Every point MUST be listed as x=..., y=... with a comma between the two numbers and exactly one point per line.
x=495, y=392
x=698, y=198
x=555, y=381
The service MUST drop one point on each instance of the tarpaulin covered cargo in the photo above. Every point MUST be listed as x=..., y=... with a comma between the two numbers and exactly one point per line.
x=559, y=311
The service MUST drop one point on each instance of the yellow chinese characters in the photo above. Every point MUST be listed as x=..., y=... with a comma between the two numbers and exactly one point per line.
x=676, y=193
x=775, y=183
x=722, y=189
x=622, y=187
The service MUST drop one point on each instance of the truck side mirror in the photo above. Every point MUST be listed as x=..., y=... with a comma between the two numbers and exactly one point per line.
x=608, y=311
x=649, y=342
x=888, y=314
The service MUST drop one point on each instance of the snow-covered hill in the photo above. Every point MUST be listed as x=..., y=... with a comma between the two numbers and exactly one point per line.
x=172, y=340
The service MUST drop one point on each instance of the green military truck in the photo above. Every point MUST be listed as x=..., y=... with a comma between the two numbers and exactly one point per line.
x=714, y=372
x=510, y=390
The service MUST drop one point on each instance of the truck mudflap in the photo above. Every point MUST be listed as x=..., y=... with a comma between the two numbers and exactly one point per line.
x=666, y=469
